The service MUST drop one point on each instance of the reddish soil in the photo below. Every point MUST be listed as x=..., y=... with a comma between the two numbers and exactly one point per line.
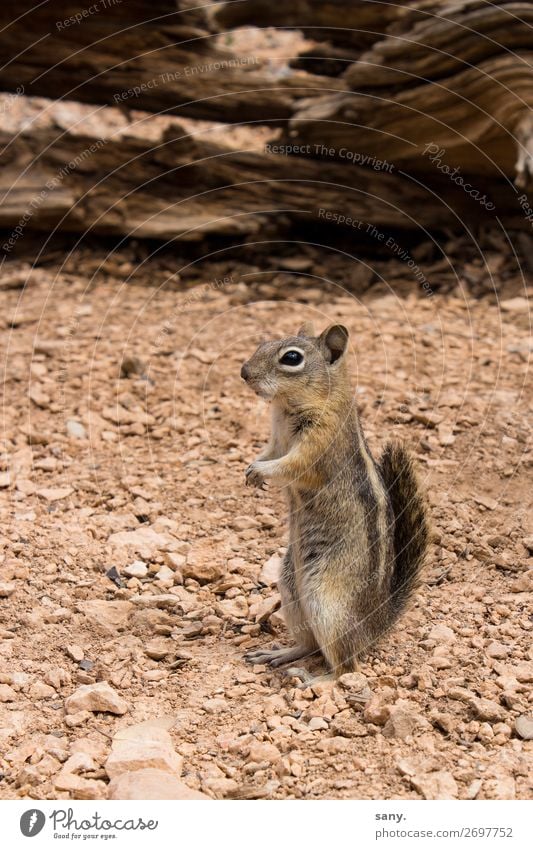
x=87, y=453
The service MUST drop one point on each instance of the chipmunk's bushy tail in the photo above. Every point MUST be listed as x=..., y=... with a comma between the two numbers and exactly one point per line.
x=411, y=526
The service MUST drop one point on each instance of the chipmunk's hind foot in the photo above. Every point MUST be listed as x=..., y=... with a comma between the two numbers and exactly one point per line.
x=277, y=657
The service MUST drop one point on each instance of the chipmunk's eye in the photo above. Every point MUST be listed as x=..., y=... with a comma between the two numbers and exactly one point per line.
x=291, y=358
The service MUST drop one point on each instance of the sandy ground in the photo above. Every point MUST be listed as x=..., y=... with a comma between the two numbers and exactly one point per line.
x=100, y=470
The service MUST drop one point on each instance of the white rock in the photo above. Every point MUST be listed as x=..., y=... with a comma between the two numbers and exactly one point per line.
x=441, y=634
x=137, y=569
x=436, y=785
x=270, y=570
x=76, y=430
x=143, y=748
x=55, y=493
x=150, y=784
x=99, y=697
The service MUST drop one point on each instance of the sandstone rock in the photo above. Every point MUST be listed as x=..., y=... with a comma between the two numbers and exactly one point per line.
x=7, y=588
x=524, y=672
x=76, y=430
x=137, y=569
x=174, y=560
x=263, y=752
x=270, y=570
x=55, y=493
x=499, y=788
x=518, y=304
x=436, y=785
x=221, y=787
x=165, y=574
x=203, y=567
x=487, y=710
x=402, y=722
x=232, y=608
x=150, y=784
x=486, y=501
x=143, y=748
x=5, y=480
x=158, y=648
x=99, y=697
x=74, y=720
x=75, y=652
x=441, y=634
x=144, y=540
x=334, y=745
x=377, y=709
x=41, y=691
x=524, y=727
x=109, y=616
x=261, y=608
x=497, y=650
x=7, y=693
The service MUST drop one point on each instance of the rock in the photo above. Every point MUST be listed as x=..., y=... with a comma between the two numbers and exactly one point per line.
x=150, y=784
x=334, y=745
x=175, y=561
x=69, y=777
x=121, y=416
x=7, y=693
x=221, y=787
x=99, y=697
x=377, y=709
x=5, y=480
x=402, y=722
x=524, y=727
x=355, y=689
x=137, y=569
x=165, y=574
x=517, y=304
x=55, y=493
x=41, y=691
x=244, y=523
x=524, y=672
x=436, y=785
x=427, y=417
x=143, y=747
x=76, y=430
x=316, y=723
x=486, y=501
x=144, y=540
x=263, y=753
x=270, y=571
x=497, y=651
x=74, y=720
x=75, y=652
x=261, y=608
x=109, y=616
x=203, y=567
x=441, y=634
x=7, y=588
x=499, y=788
x=158, y=648
x=487, y=710
x=348, y=726
x=232, y=608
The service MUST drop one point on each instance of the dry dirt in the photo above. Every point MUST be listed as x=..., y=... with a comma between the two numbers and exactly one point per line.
x=157, y=456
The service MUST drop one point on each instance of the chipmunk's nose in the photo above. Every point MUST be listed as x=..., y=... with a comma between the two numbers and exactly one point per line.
x=245, y=372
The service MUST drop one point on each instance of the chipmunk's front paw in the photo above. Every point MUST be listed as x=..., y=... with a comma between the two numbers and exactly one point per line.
x=254, y=476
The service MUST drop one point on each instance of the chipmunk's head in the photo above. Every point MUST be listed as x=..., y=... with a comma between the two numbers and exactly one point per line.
x=299, y=369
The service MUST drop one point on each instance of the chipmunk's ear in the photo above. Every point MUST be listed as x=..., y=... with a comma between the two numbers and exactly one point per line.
x=335, y=341
x=307, y=329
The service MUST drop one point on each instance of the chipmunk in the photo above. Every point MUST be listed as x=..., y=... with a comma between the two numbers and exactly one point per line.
x=358, y=530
